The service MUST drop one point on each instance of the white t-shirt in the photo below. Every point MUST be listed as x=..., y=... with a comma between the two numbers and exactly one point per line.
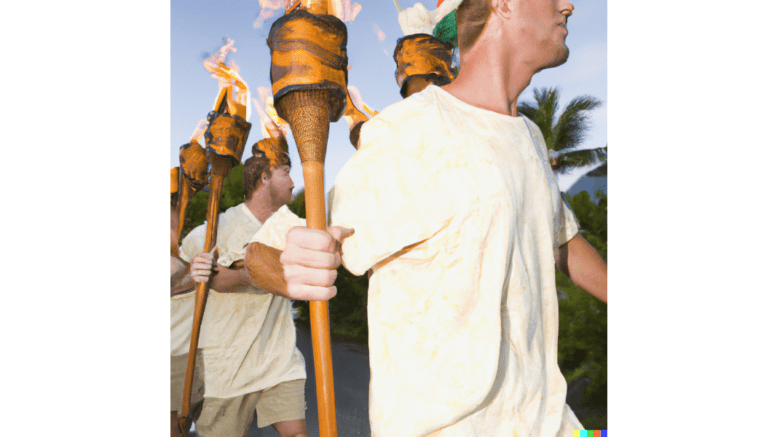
x=458, y=213
x=248, y=339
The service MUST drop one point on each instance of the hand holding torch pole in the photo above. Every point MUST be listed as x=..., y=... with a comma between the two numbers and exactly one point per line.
x=226, y=137
x=309, y=81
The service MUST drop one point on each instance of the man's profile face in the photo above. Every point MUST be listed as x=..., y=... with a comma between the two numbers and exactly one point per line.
x=281, y=185
x=541, y=25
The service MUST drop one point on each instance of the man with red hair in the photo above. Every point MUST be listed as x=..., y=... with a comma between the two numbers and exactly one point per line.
x=454, y=208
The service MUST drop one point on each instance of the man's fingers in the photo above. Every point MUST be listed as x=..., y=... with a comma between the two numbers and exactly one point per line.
x=309, y=258
x=296, y=274
x=311, y=293
x=200, y=275
x=313, y=239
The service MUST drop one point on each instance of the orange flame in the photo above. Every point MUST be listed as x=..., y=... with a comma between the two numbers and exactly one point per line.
x=274, y=126
x=354, y=117
x=229, y=77
x=268, y=10
x=199, y=130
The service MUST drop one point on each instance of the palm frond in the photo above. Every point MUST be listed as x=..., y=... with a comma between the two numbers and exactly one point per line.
x=572, y=125
x=567, y=161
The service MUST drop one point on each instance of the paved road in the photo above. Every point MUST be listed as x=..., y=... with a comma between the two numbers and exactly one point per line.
x=351, y=377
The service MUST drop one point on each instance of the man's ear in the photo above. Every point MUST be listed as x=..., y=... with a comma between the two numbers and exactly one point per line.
x=265, y=177
x=502, y=7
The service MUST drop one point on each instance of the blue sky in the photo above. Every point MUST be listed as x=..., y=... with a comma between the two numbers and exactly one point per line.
x=197, y=29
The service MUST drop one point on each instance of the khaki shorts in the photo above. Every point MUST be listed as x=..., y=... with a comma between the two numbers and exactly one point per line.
x=231, y=417
x=177, y=377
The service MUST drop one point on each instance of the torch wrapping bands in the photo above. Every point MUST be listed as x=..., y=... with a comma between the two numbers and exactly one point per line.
x=309, y=53
x=423, y=55
x=194, y=164
x=275, y=150
x=227, y=135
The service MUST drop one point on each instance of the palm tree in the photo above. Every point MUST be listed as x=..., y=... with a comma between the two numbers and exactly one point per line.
x=565, y=132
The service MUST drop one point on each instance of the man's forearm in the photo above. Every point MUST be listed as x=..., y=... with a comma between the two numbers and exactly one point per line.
x=584, y=266
x=263, y=268
x=229, y=280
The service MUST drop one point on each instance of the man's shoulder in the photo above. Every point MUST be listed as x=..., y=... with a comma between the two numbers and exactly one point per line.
x=416, y=118
x=533, y=128
x=283, y=214
x=410, y=110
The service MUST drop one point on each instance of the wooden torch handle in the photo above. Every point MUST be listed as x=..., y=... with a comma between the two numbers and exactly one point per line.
x=315, y=212
x=201, y=291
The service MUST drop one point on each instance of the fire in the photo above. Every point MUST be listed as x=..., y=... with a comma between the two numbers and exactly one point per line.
x=274, y=125
x=352, y=114
x=350, y=11
x=199, y=130
x=229, y=78
x=268, y=9
x=381, y=35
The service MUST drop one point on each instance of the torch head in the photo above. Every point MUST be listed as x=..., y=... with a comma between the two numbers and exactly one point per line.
x=227, y=135
x=309, y=76
x=194, y=163
x=424, y=57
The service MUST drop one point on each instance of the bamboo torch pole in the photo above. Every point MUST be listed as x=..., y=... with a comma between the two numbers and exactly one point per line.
x=309, y=86
x=226, y=141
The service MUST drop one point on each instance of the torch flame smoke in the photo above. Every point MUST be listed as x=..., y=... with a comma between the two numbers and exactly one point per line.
x=268, y=9
x=350, y=11
x=199, y=130
x=230, y=77
x=356, y=98
x=274, y=126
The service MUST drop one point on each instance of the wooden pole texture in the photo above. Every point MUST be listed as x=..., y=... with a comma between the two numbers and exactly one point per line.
x=315, y=210
x=226, y=137
x=309, y=77
x=220, y=168
x=307, y=112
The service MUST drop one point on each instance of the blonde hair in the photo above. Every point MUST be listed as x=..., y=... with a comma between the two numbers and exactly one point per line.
x=471, y=18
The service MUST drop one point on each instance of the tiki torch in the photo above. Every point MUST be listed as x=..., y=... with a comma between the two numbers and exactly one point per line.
x=309, y=79
x=422, y=60
x=355, y=119
x=226, y=137
x=194, y=169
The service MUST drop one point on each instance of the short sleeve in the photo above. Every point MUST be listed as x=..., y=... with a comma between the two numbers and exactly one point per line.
x=273, y=231
x=565, y=222
x=193, y=244
x=400, y=188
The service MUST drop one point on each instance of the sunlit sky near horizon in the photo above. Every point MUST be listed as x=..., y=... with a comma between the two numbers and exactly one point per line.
x=198, y=29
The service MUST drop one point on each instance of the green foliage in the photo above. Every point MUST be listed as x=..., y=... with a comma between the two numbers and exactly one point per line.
x=347, y=310
x=592, y=219
x=563, y=132
x=582, y=343
x=231, y=195
x=297, y=206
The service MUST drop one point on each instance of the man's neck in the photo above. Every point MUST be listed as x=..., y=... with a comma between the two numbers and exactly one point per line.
x=490, y=78
x=261, y=206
